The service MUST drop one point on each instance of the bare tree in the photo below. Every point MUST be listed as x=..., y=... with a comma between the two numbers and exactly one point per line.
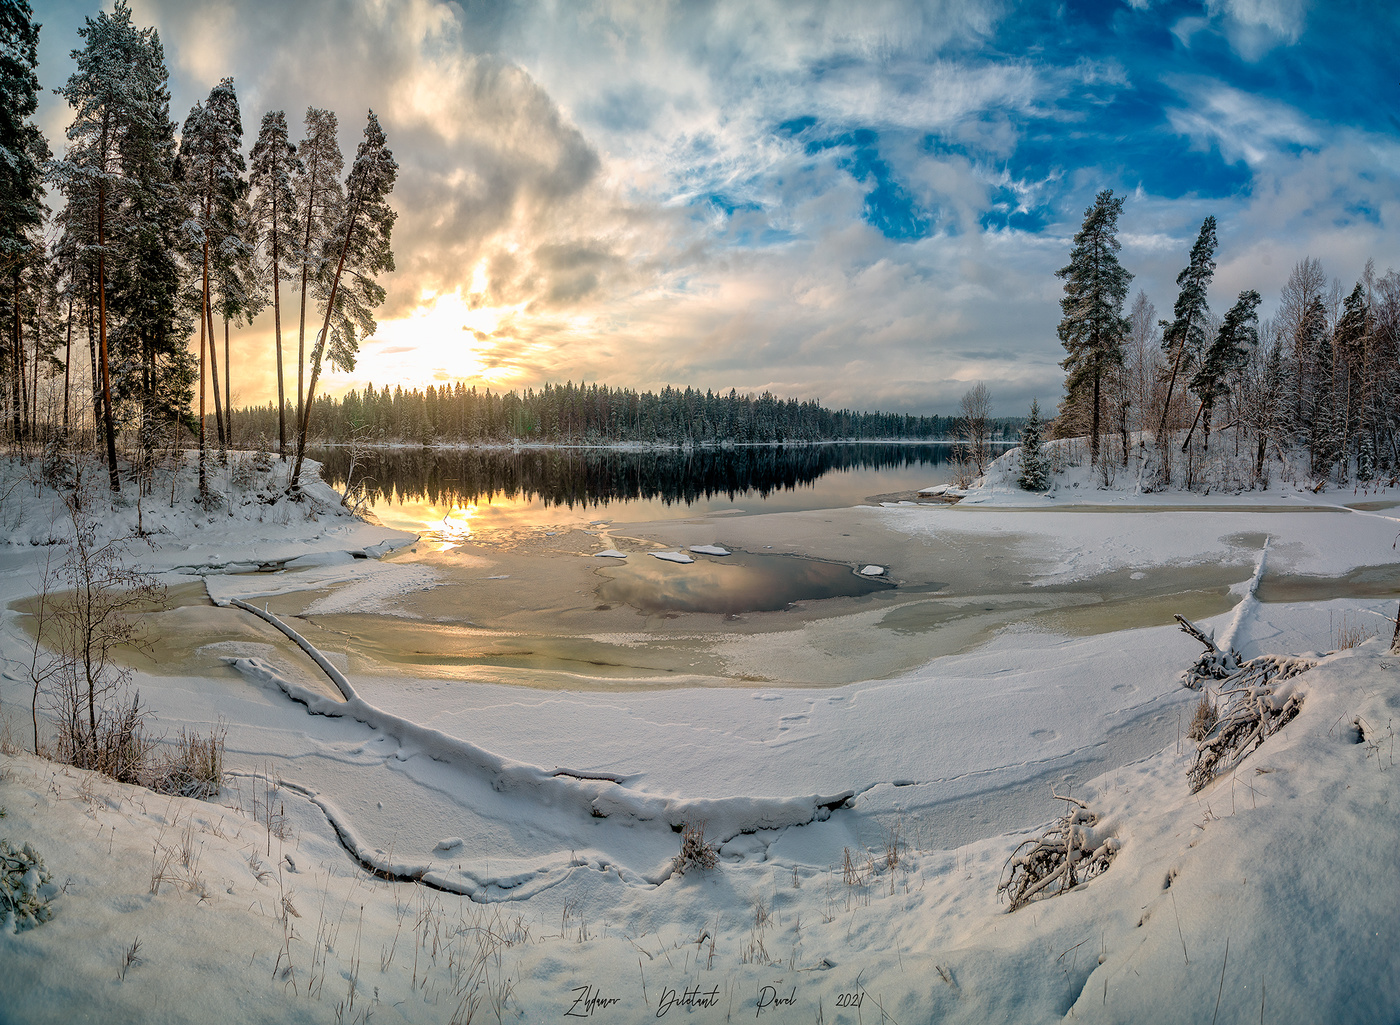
x=975, y=425
x=83, y=626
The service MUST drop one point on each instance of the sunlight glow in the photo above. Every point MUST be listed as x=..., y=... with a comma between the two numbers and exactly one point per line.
x=448, y=338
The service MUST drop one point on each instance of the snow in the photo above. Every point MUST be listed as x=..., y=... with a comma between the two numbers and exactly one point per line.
x=610, y=553
x=709, y=550
x=872, y=571
x=680, y=557
x=523, y=837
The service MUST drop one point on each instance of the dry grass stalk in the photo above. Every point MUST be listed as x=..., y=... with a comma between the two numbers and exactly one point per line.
x=1251, y=708
x=1066, y=855
x=1202, y=718
x=695, y=851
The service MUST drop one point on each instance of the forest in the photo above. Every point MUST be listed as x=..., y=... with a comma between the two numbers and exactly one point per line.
x=1315, y=388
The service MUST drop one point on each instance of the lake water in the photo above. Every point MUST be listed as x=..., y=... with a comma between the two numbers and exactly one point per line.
x=467, y=492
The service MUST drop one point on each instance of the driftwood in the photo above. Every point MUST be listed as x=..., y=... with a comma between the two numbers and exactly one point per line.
x=1254, y=702
x=1214, y=664
x=1065, y=855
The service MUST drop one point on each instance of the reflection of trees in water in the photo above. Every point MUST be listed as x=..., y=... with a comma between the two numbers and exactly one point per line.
x=571, y=477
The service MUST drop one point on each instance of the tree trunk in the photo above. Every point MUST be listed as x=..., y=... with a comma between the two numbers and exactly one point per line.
x=219, y=424
x=1094, y=429
x=1171, y=385
x=277, y=332
x=67, y=366
x=203, y=320
x=107, y=423
x=17, y=403
x=228, y=388
x=305, y=422
x=1194, y=421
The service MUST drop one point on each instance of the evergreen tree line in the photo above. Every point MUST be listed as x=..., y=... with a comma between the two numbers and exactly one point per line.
x=1320, y=378
x=595, y=414
x=162, y=239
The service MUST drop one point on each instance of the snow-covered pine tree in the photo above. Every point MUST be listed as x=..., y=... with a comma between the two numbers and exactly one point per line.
x=274, y=219
x=1096, y=286
x=1183, y=337
x=320, y=199
x=1228, y=353
x=1032, y=476
x=350, y=294
x=234, y=291
x=23, y=151
x=112, y=94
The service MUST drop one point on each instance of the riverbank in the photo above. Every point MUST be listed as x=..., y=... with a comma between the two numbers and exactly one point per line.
x=862, y=824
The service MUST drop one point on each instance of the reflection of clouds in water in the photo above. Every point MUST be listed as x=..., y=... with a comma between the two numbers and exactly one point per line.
x=755, y=583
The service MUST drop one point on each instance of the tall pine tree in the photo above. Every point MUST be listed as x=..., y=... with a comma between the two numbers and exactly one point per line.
x=320, y=199
x=23, y=151
x=1093, y=326
x=274, y=217
x=350, y=294
x=1183, y=337
x=214, y=186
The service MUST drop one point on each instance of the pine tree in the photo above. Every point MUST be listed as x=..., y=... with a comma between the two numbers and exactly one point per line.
x=350, y=294
x=274, y=217
x=112, y=94
x=320, y=199
x=214, y=185
x=1032, y=476
x=1096, y=286
x=23, y=151
x=1225, y=359
x=1183, y=337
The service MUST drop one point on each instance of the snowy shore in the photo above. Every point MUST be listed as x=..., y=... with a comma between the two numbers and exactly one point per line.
x=863, y=827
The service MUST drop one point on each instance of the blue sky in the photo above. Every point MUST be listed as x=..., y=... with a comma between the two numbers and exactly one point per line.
x=859, y=203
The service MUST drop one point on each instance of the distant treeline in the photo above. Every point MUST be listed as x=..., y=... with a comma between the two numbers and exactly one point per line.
x=592, y=414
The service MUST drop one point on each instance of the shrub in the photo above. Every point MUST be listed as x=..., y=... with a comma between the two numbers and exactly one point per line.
x=26, y=889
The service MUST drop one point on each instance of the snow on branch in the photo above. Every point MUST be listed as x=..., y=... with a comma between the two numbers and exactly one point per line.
x=1065, y=855
x=1254, y=702
x=1214, y=664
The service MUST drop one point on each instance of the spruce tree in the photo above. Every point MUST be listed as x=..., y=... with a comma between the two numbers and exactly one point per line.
x=1183, y=337
x=1032, y=476
x=274, y=217
x=1093, y=327
x=349, y=295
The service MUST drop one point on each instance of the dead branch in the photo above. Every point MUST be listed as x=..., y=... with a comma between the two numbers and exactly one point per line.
x=1214, y=663
x=1251, y=706
x=1065, y=855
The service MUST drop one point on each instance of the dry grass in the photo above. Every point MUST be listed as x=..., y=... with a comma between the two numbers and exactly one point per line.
x=194, y=767
x=1347, y=633
x=1202, y=718
x=696, y=852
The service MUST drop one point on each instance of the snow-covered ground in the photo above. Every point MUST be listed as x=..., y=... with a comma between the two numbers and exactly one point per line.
x=862, y=827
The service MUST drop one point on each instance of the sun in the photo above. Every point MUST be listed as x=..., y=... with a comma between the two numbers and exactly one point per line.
x=445, y=339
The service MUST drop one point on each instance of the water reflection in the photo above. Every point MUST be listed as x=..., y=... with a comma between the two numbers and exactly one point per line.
x=741, y=583
x=583, y=477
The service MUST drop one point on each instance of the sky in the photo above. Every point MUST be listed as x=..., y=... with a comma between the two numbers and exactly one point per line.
x=859, y=203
